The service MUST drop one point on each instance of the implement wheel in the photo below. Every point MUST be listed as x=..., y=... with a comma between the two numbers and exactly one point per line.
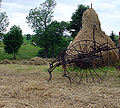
x=88, y=64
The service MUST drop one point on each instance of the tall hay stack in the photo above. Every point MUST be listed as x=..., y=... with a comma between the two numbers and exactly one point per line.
x=89, y=20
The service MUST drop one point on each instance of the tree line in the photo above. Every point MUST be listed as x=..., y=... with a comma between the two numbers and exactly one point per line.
x=49, y=35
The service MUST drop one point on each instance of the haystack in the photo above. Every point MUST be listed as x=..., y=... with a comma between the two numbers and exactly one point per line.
x=89, y=20
x=5, y=61
x=37, y=61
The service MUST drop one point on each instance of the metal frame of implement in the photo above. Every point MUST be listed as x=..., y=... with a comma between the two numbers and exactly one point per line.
x=84, y=63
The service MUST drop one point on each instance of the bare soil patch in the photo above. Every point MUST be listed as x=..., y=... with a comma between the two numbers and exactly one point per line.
x=26, y=86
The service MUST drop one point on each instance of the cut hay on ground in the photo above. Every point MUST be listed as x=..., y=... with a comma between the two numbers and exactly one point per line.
x=6, y=61
x=24, y=86
x=89, y=20
x=37, y=61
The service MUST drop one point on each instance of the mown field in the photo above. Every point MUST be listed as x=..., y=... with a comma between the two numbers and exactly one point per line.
x=26, y=86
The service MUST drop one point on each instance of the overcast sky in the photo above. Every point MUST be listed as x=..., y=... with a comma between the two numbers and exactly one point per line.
x=107, y=10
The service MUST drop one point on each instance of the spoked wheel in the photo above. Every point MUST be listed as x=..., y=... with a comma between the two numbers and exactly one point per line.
x=85, y=62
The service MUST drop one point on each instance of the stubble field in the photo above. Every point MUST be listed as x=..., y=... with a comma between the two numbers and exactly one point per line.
x=25, y=86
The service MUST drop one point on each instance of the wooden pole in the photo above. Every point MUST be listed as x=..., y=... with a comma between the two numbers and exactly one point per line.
x=91, y=5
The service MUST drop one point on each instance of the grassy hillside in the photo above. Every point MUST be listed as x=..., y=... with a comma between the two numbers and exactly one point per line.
x=25, y=52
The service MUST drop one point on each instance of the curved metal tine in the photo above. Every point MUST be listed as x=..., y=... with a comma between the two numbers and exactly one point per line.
x=97, y=74
x=102, y=58
x=103, y=44
x=68, y=78
x=75, y=49
x=82, y=74
x=105, y=72
x=81, y=49
x=50, y=76
x=86, y=73
x=76, y=75
x=69, y=51
x=80, y=46
x=67, y=75
x=51, y=72
x=69, y=56
x=84, y=49
x=92, y=50
x=84, y=45
x=87, y=47
x=69, y=69
x=92, y=75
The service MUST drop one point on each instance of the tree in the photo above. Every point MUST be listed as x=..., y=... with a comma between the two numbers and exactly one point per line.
x=54, y=33
x=76, y=23
x=39, y=19
x=112, y=36
x=63, y=43
x=4, y=22
x=13, y=40
x=28, y=37
x=55, y=39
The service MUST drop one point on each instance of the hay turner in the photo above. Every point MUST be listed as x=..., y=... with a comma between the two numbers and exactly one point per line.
x=83, y=61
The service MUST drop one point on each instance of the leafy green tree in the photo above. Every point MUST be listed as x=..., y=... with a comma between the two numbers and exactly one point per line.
x=56, y=40
x=13, y=40
x=112, y=36
x=54, y=33
x=53, y=36
x=35, y=39
x=28, y=37
x=76, y=23
x=4, y=22
x=1, y=35
x=63, y=43
x=39, y=19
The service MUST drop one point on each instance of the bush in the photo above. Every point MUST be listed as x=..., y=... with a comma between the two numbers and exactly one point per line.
x=57, y=49
x=1, y=44
x=41, y=53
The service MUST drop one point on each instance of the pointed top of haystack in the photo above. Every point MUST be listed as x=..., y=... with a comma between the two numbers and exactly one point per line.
x=89, y=21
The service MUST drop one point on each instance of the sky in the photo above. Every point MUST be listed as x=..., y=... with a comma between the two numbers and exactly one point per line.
x=108, y=12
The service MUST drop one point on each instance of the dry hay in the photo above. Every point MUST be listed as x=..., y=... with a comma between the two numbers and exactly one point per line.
x=5, y=61
x=37, y=61
x=20, y=61
x=89, y=20
x=24, y=88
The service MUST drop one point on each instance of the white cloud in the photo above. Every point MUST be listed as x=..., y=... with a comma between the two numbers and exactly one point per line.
x=63, y=12
x=107, y=10
x=13, y=5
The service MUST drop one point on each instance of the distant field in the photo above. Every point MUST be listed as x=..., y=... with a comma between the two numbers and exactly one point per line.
x=25, y=52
